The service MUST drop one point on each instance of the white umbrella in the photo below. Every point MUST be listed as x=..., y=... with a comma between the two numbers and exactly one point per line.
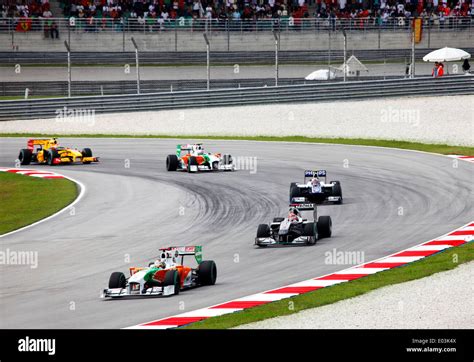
x=446, y=55
x=321, y=74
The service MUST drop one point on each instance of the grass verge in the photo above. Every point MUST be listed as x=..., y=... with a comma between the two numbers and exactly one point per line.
x=439, y=262
x=22, y=97
x=25, y=200
x=426, y=147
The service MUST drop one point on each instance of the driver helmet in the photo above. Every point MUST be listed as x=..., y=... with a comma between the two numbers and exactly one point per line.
x=198, y=149
x=293, y=213
x=315, y=181
x=160, y=264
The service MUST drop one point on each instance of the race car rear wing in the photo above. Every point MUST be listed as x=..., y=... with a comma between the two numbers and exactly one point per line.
x=303, y=205
x=315, y=173
x=43, y=142
x=185, y=147
x=187, y=250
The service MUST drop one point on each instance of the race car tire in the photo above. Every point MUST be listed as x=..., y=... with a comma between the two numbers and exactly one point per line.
x=337, y=190
x=207, y=272
x=117, y=280
x=263, y=231
x=309, y=229
x=45, y=156
x=172, y=278
x=278, y=219
x=192, y=161
x=50, y=156
x=172, y=163
x=324, y=226
x=294, y=191
x=25, y=156
x=86, y=152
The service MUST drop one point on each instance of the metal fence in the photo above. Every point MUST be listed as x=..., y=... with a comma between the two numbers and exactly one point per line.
x=48, y=108
x=11, y=25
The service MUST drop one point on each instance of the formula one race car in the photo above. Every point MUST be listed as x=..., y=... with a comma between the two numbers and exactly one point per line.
x=313, y=190
x=165, y=276
x=49, y=152
x=195, y=159
x=293, y=229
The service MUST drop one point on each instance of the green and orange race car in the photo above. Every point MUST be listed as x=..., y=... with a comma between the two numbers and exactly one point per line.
x=195, y=159
x=165, y=276
x=47, y=151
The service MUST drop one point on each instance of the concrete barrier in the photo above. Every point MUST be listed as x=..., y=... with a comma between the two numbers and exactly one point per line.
x=233, y=41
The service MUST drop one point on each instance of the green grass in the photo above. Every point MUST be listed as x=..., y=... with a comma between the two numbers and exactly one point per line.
x=25, y=200
x=439, y=262
x=426, y=147
x=14, y=98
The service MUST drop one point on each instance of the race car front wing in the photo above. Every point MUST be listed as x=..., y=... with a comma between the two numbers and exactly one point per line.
x=282, y=240
x=125, y=292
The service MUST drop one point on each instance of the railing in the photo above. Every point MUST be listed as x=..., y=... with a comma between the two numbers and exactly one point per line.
x=287, y=24
x=49, y=108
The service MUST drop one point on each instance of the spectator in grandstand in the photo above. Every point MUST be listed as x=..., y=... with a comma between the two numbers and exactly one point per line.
x=466, y=66
x=441, y=70
x=53, y=29
x=434, y=72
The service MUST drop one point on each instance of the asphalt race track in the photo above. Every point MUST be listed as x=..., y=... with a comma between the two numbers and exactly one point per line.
x=132, y=211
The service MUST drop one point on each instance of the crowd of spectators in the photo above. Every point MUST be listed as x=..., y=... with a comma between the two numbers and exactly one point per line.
x=24, y=11
x=267, y=9
x=25, y=8
x=145, y=12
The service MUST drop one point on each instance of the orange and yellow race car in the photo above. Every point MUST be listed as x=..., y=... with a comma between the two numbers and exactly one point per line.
x=165, y=276
x=196, y=159
x=48, y=151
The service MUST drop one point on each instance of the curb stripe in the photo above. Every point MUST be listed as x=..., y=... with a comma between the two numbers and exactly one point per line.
x=342, y=277
x=463, y=158
x=239, y=305
x=447, y=243
x=294, y=290
x=31, y=172
x=383, y=265
x=417, y=253
x=463, y=232
x=177, y=321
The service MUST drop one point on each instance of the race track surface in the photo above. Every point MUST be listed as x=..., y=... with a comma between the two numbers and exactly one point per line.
x=393, y=199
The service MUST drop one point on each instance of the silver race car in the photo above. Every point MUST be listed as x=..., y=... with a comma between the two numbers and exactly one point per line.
x=293, y=229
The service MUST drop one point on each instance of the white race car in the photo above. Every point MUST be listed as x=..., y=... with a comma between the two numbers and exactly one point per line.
x=165, y=276
x=314, y=190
